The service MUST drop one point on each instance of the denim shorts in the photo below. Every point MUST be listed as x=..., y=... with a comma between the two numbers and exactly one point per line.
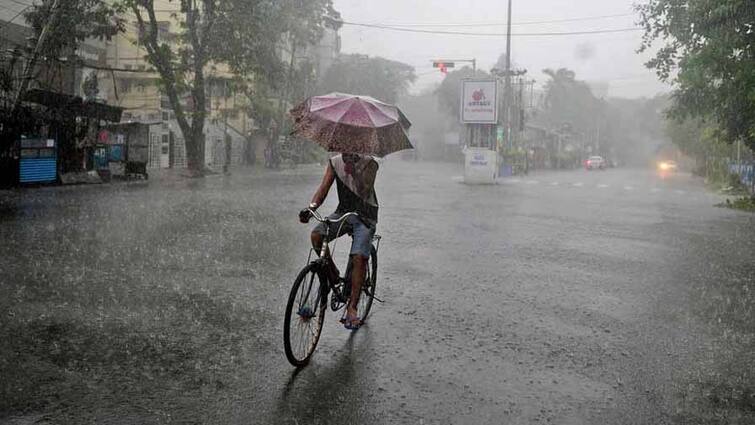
x=361, y=233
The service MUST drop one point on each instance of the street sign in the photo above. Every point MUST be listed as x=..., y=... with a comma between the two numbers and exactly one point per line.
x=479, y=101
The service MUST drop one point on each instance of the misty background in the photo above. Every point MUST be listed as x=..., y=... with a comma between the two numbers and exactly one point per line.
x=593, y=86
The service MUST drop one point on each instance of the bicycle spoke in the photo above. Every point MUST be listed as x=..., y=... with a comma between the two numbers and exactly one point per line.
x=306, y=320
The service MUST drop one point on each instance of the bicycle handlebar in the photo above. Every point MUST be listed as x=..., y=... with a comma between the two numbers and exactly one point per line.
x=319, y=218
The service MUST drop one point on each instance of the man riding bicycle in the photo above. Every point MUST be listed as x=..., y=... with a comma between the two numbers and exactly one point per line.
x=354, y=175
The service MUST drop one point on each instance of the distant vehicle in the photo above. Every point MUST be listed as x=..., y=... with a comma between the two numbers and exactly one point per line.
x=595, y=163
x=668, y=166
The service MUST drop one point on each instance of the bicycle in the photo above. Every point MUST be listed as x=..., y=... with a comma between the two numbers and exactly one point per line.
x=308, y=300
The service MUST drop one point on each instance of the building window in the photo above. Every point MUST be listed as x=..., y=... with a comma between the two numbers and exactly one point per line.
x=166, y=115
x=165, y=144
x=125, y=85
x=163, y=30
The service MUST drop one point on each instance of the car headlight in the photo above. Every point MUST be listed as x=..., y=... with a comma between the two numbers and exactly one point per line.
x=664, y=166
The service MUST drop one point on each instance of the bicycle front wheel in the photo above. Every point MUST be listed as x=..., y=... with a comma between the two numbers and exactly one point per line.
x=305, y=314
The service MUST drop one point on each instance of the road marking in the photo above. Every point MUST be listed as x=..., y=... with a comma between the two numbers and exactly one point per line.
x=680, y=192
x=532, y=182
x=458, y=179
x=655, y=190
x=628, y=188
x=602, y=186
x=578, y=184
x=515, y=181
x=554, y=183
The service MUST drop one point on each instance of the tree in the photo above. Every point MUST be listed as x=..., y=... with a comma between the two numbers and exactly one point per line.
x=570, y=108
x=68, y=25
x=76, y=21
x=568, y=100
x=380, y=78
x=708, y=55
x=243, y=35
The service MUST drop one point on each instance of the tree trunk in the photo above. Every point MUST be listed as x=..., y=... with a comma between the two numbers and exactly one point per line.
x=192, y=127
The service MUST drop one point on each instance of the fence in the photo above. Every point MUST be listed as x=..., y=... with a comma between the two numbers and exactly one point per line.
x=746, y=173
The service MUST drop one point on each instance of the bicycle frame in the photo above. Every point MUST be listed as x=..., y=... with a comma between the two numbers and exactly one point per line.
x=323, y=256
x=327, y=221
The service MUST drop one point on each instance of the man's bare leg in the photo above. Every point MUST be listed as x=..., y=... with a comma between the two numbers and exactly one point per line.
x=317, y=245
x=358, y=271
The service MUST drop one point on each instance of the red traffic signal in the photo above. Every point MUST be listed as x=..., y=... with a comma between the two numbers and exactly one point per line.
x=443, y=66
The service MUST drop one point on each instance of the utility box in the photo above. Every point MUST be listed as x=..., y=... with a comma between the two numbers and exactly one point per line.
x=480, y=166
x=39, y=161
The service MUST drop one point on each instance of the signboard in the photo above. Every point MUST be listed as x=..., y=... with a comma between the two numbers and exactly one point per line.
x=479, y=101
x=480, y=166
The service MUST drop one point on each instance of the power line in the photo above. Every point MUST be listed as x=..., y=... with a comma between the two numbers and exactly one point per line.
x=484, y=24
x=16, y=16
x=490, y=34
x=12, y=9
x=22, y=3
x=83, y=64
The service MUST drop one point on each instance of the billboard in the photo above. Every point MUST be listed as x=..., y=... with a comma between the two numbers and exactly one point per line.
x=479, y=101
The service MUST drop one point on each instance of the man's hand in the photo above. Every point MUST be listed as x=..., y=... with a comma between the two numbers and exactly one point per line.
x=305, y=215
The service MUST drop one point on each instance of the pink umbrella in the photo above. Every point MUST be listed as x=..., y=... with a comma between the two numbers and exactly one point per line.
x=352, y=124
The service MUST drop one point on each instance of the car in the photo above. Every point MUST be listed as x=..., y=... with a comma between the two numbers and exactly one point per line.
x=668, y=166
x=595, y=163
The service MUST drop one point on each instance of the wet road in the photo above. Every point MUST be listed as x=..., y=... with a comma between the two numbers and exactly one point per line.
x=609, y=297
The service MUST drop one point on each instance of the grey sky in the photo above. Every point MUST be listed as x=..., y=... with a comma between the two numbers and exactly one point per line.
x=608, y=58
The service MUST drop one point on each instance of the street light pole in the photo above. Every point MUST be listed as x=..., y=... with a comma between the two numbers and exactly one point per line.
x=507, y=80
x=31, y=63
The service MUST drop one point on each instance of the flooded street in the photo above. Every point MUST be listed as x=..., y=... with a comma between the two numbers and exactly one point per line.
x=603, y=297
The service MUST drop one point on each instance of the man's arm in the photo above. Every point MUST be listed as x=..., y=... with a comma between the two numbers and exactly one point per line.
x=324, y=188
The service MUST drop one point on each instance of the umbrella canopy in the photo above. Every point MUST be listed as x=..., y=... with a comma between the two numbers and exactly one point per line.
x=352, y=124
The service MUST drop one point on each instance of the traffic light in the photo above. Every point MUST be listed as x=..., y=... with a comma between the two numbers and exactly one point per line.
x=443, y=66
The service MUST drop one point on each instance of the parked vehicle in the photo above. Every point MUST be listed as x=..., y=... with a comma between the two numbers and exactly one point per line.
x=595, y=163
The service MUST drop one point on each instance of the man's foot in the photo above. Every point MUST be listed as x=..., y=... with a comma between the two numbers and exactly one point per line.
x=351, y=320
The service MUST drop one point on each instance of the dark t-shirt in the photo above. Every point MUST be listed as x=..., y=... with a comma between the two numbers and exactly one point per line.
x=356, y=190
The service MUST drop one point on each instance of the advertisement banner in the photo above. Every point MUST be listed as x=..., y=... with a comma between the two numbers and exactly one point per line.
x=479, y=101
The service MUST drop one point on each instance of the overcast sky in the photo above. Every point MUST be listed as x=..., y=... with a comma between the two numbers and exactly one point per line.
x=608, y=58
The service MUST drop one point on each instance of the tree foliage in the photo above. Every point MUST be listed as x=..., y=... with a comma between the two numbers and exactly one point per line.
x=380, y=78
x=76, y=21
x=569, y=102
x=244, y=35
x=708, y=54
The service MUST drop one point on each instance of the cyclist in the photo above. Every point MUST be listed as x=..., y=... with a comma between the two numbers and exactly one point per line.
x=354, y=175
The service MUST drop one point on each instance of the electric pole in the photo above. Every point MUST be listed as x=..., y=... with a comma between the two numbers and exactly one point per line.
x=507, y=80
x=32, y=62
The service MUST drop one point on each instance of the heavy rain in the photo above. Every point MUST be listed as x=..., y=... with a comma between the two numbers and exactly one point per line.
x=377, y=212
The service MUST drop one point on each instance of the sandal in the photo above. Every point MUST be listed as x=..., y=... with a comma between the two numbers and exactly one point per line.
x=351, y=322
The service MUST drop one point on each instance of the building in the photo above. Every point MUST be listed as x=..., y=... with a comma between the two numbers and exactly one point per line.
x=53, y=118
x=134, y=87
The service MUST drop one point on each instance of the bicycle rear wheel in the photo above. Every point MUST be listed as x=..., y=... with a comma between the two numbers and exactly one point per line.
x=305, y=314
x=368, y=288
